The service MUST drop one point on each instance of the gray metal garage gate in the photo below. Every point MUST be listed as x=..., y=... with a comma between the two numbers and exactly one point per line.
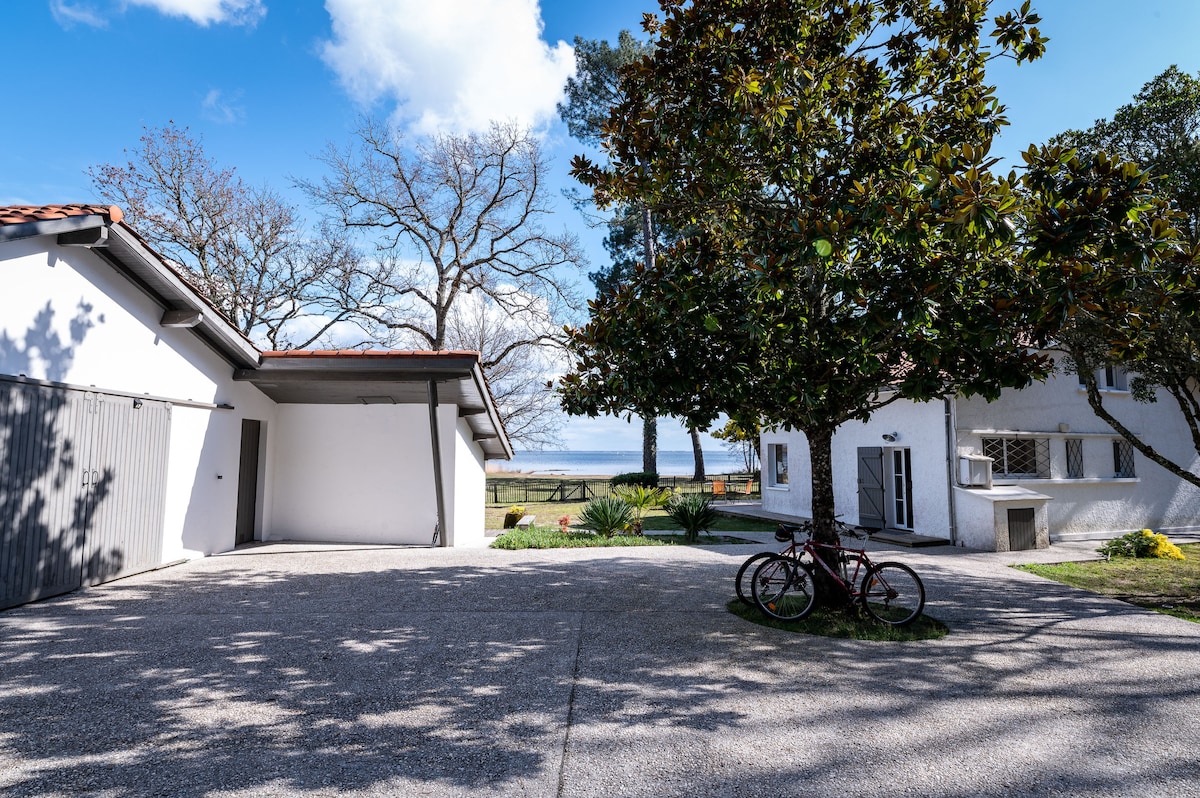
x=82, y=487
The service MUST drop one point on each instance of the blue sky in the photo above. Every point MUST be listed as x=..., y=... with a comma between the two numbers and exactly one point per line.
x=266, y=83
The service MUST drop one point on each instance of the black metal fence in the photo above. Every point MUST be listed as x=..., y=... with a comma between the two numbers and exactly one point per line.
x=524, y=490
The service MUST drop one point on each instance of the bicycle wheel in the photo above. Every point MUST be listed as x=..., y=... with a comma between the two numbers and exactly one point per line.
x=745, y=572
x=783, y=588
x=892, y=593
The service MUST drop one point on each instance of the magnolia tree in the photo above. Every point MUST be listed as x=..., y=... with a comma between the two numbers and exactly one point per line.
x=1138, y=309
x=848, y=243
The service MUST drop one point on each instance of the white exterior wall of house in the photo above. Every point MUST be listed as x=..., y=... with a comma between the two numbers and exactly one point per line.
x=920, y=428
x=469, y=485
x=1100, y=504
x=363, y=474
x=66, y=316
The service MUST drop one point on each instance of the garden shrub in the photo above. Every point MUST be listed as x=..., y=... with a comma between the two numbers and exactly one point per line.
x=1144, y=543
x=693, y=512
x=647, y=478
x=640, y=500
x=606, y=516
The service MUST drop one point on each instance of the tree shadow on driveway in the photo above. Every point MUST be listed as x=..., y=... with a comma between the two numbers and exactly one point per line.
x=450, y=673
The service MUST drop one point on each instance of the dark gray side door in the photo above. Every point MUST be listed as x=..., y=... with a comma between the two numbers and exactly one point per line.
x=870, y=487
x=247, y=502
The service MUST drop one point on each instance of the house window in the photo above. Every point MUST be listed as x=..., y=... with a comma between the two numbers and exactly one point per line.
x=1018, y=458
x=1074, y=458
x=1115, y=379
x=1123, y=459
x=1110, y=378
x=777, y=455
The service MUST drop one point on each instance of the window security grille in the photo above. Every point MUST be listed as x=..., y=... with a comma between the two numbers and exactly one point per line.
x=1019, y=458
x=1074, y=458
x=1123, y=459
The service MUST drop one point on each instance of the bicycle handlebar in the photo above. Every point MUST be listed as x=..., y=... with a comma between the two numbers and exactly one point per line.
x=787, y=532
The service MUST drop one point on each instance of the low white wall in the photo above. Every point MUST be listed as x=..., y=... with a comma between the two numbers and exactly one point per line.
x=67, y=316
x=921, y=429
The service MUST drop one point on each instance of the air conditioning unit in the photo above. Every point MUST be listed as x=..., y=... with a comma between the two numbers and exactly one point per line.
x=974, y=471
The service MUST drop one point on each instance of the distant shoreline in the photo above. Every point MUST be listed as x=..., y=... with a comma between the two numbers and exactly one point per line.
x=563, y=464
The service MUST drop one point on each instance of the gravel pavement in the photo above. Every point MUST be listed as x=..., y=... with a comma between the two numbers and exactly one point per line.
x=287, y=669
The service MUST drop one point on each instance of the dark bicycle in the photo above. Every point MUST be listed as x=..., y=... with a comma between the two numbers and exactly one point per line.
x=784, y=586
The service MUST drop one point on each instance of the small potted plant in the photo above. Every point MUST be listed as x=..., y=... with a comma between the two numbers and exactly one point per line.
x=514, y=514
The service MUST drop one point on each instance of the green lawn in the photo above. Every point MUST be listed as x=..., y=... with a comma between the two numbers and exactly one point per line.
x=844, y=623
x=548, y=513
x=541, y=537
x=1168, y=586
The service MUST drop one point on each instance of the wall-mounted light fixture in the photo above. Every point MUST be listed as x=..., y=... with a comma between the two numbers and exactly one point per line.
x=891, y=437
x=137, y=404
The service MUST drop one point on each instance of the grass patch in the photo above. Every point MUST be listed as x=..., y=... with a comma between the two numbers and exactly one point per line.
x=837, y=623
x=548, y=514
x=539, y=537
x=544, y=537
x=1168, y=586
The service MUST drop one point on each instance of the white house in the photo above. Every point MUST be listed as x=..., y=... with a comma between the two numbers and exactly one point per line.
x=137, y=427
x=1034, y=466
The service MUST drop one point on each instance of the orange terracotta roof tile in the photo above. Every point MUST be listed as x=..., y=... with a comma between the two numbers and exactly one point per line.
x=23, y=214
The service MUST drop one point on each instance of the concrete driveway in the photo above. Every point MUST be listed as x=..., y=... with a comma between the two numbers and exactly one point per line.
x=282, y=670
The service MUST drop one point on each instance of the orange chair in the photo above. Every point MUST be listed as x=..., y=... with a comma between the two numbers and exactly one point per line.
x=718, y=489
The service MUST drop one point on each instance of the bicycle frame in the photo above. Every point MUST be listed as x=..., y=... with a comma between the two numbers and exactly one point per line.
x=847, y=581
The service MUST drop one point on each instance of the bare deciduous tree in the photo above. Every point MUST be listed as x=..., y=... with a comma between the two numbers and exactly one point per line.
x=456, y=218
x=517, y=376
x=243, y=248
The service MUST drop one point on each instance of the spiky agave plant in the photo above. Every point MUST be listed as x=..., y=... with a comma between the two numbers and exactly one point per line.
x=606, y=516
x=692, y=512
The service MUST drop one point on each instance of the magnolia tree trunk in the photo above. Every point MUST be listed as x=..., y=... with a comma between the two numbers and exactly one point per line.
x=698, y=454
x=820, y=455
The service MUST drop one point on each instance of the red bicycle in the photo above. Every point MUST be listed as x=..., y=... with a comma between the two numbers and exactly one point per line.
x=784, y=586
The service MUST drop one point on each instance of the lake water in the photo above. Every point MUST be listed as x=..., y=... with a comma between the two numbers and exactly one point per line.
x=670, y=462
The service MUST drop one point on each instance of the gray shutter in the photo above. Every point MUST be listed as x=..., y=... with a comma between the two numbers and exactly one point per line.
x=44, y=438
x=82, y=488
x=870, y=487
x=127, y=502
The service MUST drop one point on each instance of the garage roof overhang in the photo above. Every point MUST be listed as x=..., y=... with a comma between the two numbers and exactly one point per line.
x=384, y=377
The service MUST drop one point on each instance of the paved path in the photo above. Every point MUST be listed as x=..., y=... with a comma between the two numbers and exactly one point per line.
x=285, y=671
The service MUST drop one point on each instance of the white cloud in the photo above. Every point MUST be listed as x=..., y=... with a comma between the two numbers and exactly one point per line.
x=450, y=65
x=67, y=14
x=217, y=108
x=203, y=12
x=208, y=12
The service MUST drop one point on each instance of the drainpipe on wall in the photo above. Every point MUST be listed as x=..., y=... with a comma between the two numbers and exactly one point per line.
x=951, y=471
x=439, y=532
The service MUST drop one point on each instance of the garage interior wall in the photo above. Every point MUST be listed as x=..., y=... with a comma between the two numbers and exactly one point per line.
x=352, y=474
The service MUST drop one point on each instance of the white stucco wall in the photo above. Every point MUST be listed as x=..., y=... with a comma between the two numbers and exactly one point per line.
x=469, y=479
x=67, y=316
x=364, y=474
x=1098, y=505
x=920, y=428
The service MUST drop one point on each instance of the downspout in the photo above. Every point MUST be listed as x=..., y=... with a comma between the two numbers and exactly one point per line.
x=439, y=536
x=951, y=475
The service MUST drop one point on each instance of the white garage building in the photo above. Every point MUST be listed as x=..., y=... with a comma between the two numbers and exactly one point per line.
x=138, y=427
